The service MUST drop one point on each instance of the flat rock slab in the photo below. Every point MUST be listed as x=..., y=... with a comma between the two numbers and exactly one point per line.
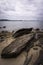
x=13, y=49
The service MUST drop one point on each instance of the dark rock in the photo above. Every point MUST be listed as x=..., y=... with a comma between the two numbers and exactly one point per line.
x=17, y=46
x=4, y=26
x=40, y=35
x=22, y=32
x=37, y=29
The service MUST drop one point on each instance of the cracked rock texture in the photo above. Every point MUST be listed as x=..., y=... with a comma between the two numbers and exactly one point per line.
x=31, y=54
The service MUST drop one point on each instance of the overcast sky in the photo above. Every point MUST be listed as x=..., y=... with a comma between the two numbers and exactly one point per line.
x=21, y=9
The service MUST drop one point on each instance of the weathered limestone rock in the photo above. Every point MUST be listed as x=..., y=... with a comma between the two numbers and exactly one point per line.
x=5, y=43
x=22, y=32
x=33, y=55
x=17, y=46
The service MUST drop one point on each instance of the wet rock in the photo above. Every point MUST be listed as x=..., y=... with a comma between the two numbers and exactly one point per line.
x=17, y=46
x=22, y=32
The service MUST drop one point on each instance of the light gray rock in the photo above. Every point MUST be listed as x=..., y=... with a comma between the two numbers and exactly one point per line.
x=33, y=56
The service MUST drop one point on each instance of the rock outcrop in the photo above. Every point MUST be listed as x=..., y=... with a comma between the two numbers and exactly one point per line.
x=28, y=43
x=17, y=46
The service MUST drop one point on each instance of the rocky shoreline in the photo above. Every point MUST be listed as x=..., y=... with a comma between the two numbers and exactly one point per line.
x=28, y=41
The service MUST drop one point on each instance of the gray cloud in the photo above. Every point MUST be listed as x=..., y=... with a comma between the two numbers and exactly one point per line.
x=21, y=9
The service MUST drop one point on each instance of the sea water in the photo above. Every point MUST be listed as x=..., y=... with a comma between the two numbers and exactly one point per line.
x=15, y=25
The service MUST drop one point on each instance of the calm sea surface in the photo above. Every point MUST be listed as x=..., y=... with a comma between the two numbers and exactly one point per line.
x=14, y=25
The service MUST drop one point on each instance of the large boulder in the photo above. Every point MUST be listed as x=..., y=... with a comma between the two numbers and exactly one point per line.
x=13, y=49
x=22, y=32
